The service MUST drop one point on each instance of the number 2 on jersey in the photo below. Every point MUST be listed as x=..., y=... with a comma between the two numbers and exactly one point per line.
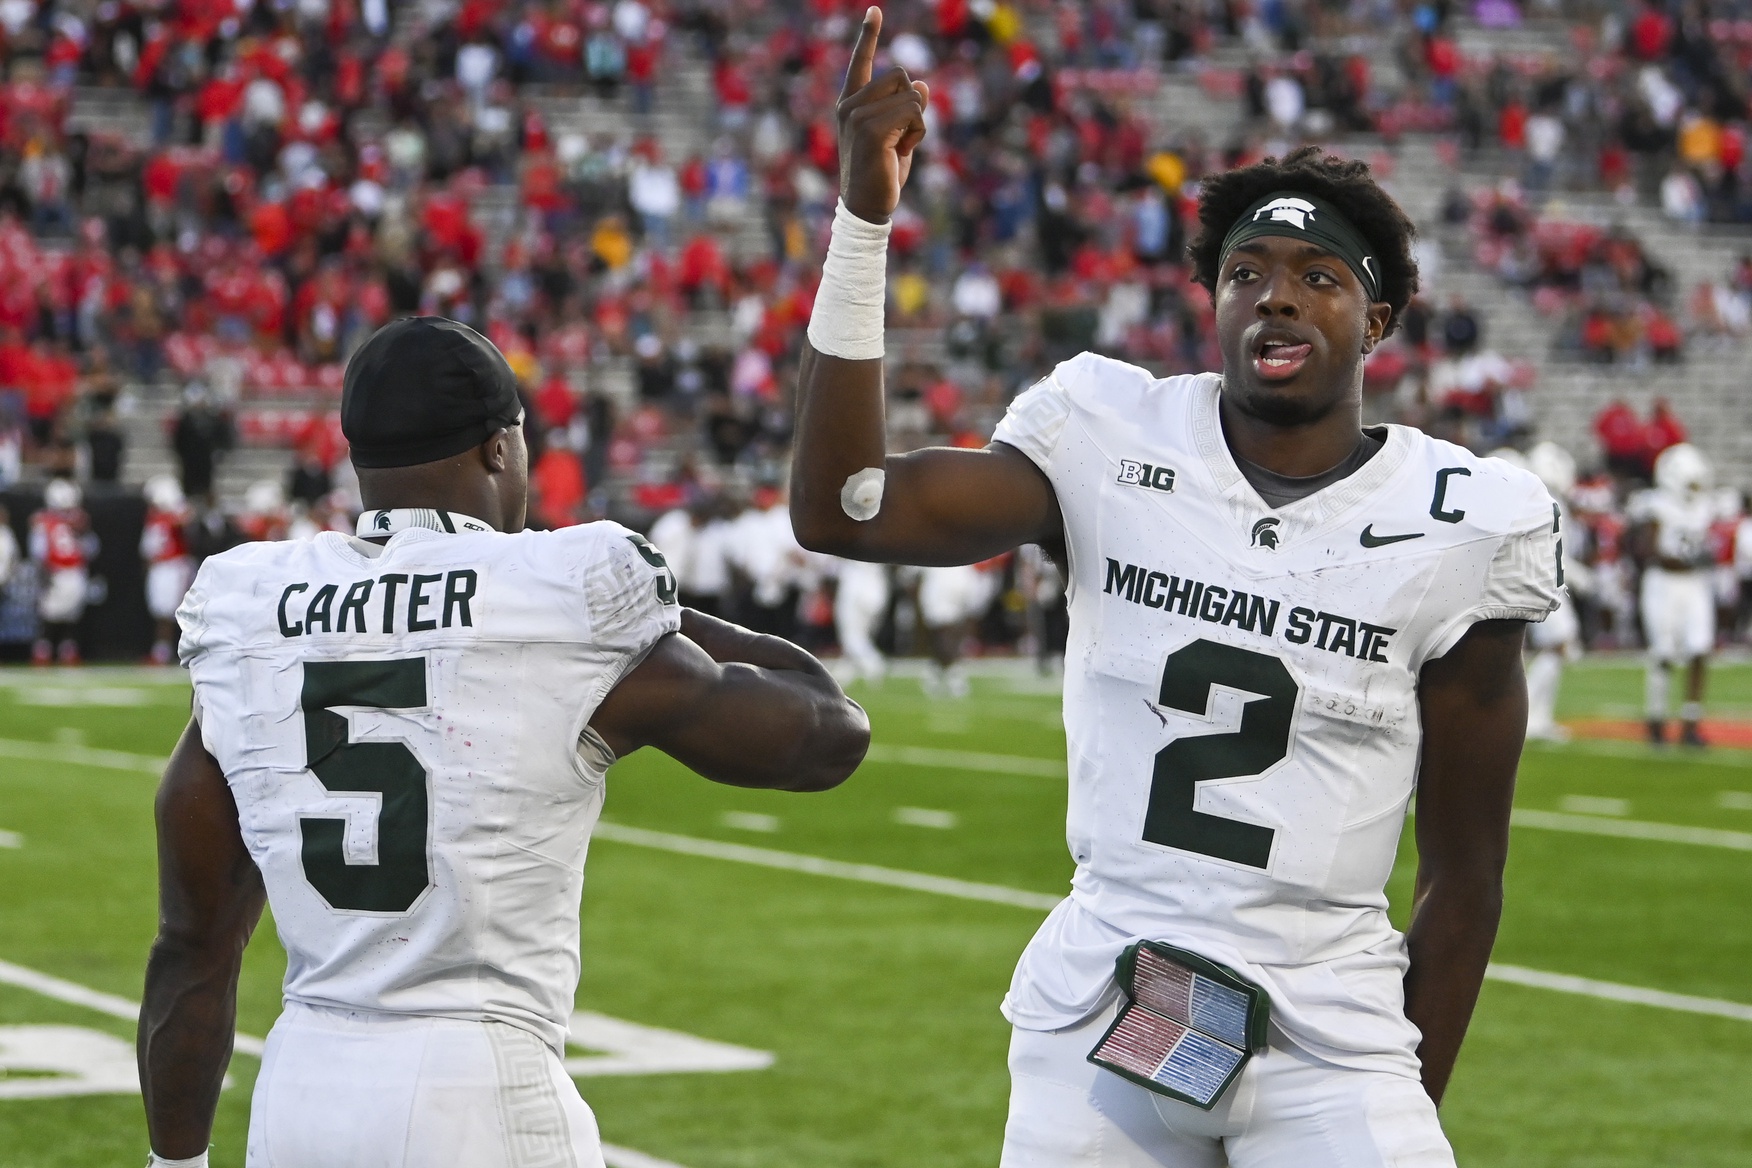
x=353, y=768
x=1189, y=677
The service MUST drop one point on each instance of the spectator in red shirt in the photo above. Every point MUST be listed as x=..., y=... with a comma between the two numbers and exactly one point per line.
x=1663, y=430
x=1624, y=438
x=1650, y=34
x=557, y=487
x=555, y=403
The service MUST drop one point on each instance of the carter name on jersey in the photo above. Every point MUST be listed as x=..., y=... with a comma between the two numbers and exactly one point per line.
x=430, y=601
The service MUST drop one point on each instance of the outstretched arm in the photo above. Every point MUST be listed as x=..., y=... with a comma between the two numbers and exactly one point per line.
x=210, y=897
x=737, y=707
x=937, y=506
x=1473, y=703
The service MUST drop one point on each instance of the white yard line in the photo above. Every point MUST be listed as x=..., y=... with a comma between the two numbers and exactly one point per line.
x=1669, y=833
x=117, y=1007
x=992, y=893
x=115, y=760
x=967, y=760
x=1726, y=756
x=1614, y=992
x=616, y=1157
x=817, y=866
x=75, y=994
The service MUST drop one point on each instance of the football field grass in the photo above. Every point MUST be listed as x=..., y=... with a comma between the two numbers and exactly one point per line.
x=875, y=987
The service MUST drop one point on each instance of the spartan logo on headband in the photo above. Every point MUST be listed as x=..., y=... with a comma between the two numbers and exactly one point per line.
x=1311, y=219
x=1296, y=212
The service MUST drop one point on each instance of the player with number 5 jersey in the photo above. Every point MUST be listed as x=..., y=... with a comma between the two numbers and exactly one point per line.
x=400, y=741
x=1282, y=625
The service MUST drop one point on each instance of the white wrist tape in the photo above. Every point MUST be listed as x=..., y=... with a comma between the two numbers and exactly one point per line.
x=850, y=305
x=154, y=1160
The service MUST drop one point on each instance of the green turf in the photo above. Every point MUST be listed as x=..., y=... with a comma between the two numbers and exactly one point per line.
x=1611, y=687
x=880, y=1004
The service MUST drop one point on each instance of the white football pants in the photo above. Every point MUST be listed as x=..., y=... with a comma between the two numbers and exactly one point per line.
x=1544, y=673
x=1678, y=613
x=340, y=1089
x=62, y=600
x=1287, y=1110
x=166, y=584
x=857, y=611
x=948, y=596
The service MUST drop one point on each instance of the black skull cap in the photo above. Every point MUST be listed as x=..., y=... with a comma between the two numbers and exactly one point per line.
x=422, y=389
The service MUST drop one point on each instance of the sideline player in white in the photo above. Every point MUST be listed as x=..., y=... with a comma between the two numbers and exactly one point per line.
x=762, y=548
x=164, y=545
x=951, y=598
x=1558, y=638
x=8, y=549
x=859, y=600
x=400, y=740
x=1281, y=624
x=1670, y=534
x=62, y=545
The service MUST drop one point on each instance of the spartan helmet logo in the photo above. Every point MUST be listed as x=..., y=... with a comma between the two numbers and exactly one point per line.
x=1265, y=533
x=1295, y=212
x=382, y=521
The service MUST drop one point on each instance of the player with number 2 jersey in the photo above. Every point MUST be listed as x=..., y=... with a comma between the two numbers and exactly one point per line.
x=1241, y=693
x=1282, y=624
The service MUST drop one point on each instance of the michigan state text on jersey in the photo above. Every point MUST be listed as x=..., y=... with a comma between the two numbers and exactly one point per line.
x=400, y=741
x=1281, y=625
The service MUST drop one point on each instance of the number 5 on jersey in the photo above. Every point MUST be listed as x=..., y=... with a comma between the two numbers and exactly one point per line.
x=1189, y=676
x=387, y=769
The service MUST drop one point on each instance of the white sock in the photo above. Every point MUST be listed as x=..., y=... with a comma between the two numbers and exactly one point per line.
x=1543, y=676
x=1655, y=682
x=1691, y=712
x=955, y=678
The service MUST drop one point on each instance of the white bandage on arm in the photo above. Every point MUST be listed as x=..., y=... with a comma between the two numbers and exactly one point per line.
x=154, y=1160
x=850, y=305
x=861, y=497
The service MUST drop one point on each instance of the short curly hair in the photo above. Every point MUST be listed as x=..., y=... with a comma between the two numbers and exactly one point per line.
x=1344, y=182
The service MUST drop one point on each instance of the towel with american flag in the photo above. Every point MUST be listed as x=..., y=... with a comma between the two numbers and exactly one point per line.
x=1188, y=1027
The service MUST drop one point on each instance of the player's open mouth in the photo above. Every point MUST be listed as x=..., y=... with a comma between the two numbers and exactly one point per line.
x=1276, y=360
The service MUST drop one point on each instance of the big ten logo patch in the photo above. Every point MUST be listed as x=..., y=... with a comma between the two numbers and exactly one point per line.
x=1142, y=474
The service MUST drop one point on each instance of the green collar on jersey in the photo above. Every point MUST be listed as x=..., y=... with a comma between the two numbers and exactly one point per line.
x=388, y=522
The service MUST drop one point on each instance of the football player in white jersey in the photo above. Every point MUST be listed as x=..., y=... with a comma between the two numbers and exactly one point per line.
x=1557, y=639
x=859, y=601
x=1281, y=625
x=400, y=742
x=1670, y=533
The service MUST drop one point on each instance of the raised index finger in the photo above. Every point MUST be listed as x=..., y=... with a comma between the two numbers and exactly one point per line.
x=863, y=53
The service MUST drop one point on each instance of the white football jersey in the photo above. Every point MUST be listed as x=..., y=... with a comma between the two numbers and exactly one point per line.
x=401, y=727
x=765, y=548
x=1681, y=522
x=1241, y=692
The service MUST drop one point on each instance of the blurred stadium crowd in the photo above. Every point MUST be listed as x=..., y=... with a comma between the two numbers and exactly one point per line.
x=631, y=198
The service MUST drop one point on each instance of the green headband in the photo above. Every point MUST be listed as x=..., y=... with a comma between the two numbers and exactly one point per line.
x=1296, y=215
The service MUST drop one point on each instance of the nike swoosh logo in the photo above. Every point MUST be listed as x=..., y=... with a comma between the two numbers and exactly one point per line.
x=1370, y=539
